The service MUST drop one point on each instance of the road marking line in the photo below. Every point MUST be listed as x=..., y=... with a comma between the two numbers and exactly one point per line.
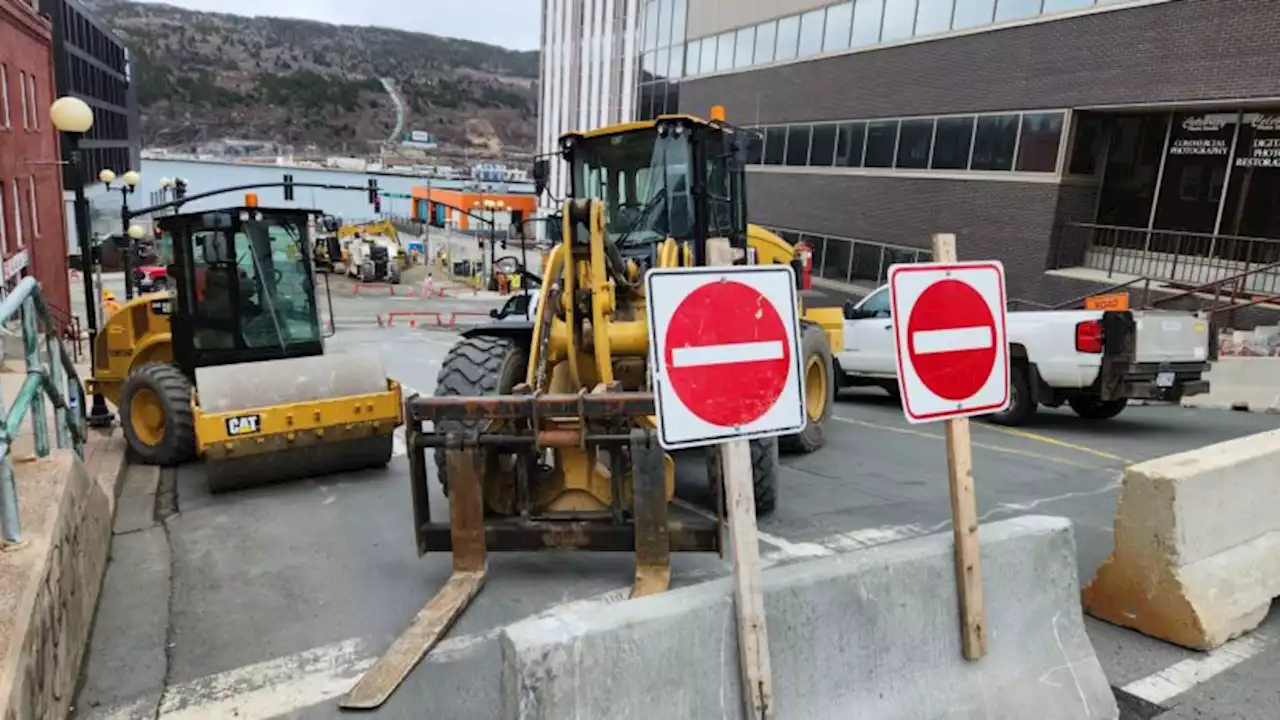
x=727, y=354
x=979, y=337
x=1028, y=435
x=1185, y=675
x=992, y=448
x=786, y=548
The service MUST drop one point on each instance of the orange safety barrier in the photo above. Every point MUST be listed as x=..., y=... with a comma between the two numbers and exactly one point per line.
x=391, y=289
x=413, y=316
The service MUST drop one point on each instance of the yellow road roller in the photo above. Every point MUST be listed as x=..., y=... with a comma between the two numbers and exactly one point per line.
x=229, y=363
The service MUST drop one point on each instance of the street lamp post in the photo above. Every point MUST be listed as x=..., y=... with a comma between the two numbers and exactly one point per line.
x=128, y=185
x=73, y=117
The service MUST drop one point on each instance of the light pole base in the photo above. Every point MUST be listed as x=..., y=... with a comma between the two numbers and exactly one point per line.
x=99, y=415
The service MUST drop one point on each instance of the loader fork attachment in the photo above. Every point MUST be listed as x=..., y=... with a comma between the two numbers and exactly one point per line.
x=470, y=566
x=653, y=538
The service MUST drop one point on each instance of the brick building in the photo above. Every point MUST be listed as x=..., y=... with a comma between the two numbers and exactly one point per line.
x=1067, y=138
x=32, y=227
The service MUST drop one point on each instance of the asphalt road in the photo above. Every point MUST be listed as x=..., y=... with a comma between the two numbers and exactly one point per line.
x=269, y=602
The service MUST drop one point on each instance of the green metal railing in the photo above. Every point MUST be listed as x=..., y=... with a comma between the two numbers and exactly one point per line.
x=50, y=373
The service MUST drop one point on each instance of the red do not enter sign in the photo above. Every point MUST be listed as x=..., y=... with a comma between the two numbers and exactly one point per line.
x=951, y=339
x=727, y=355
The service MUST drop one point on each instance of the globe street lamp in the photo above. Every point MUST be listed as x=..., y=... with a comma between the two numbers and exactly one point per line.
x=73, y=117
x=128, y=185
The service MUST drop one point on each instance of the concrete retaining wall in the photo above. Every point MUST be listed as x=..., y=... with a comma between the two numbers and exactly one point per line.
x=874, y=634
x=1197, y=544
x=1242, y=383
x=49, y=587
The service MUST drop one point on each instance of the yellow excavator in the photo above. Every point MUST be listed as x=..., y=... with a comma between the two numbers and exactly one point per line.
x=229, y=363
x=543, y=431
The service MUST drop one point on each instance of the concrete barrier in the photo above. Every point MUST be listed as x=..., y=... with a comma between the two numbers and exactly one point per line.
x=873, y=634
x=1197, y=544
x=49, y=586
x=1241, y=383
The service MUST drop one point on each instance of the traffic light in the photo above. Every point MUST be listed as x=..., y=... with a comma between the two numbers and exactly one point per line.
x=288, y=187
x=373, y=192
x=377, y=204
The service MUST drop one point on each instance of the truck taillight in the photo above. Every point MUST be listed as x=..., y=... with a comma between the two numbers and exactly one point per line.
x=1089, y=337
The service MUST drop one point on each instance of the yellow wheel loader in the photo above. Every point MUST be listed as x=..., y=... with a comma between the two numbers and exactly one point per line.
x=543, y=431
x=228, y=365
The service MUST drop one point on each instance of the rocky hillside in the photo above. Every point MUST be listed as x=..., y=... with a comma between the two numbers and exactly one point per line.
x=207, y=76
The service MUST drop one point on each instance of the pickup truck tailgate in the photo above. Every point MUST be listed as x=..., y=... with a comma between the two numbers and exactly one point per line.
x=1166, y=336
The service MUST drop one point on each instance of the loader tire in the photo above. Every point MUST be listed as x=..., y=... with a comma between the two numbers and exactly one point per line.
x=474, y=367
x=818, y=377
x=764, y=474
x=155, y=412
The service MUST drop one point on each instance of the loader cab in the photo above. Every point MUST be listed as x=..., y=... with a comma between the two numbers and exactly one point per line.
x=677, y=176
x=243, y=287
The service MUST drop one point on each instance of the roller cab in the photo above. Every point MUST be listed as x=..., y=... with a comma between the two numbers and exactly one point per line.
x=229, y=365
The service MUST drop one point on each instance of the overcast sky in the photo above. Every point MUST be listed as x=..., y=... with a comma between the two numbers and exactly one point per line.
x=509, y=23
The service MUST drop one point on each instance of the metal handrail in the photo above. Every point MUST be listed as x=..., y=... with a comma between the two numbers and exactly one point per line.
x=57, y=379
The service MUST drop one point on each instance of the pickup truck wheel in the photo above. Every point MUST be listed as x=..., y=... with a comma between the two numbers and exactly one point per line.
x=1095, y=409
x=819, y=391
x=1022, y=406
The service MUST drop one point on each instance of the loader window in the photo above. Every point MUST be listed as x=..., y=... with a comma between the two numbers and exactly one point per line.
x=643, y=180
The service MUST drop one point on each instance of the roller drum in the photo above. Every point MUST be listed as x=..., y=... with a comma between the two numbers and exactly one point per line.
x=244, y=386
x=262, y=385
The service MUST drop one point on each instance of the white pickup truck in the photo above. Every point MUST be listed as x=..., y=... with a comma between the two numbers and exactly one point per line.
x=1092, y=360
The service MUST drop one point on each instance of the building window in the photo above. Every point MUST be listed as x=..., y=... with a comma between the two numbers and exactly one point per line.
x=1028, y=142
x=866, y=22
x=35, y=108
x=724, y=52
x=973, y=13
x=899, y=20
x=692, y=56
x=853, y=137
x=994, y=142
x=823, y=151
x=708, y=63
x=17, y=216
x=746, y=44
x=1039, y=142
x=811, y=32
x=775, y=145
x=766, y=39
x=35, y=212
x=22, y=95
x=839, y=26
x=882, y=143
x=915, y=141
x=6, y=120
x=1016, y=9
x=798, y=145
x=788, y=38
x=933, y=16
x=951, y=143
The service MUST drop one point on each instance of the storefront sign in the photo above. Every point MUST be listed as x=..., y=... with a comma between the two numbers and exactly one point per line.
x=1203, y=135
x=1263, y=150
x=16, y=264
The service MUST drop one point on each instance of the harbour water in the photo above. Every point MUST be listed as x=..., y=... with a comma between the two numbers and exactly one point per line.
x=205, y=176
